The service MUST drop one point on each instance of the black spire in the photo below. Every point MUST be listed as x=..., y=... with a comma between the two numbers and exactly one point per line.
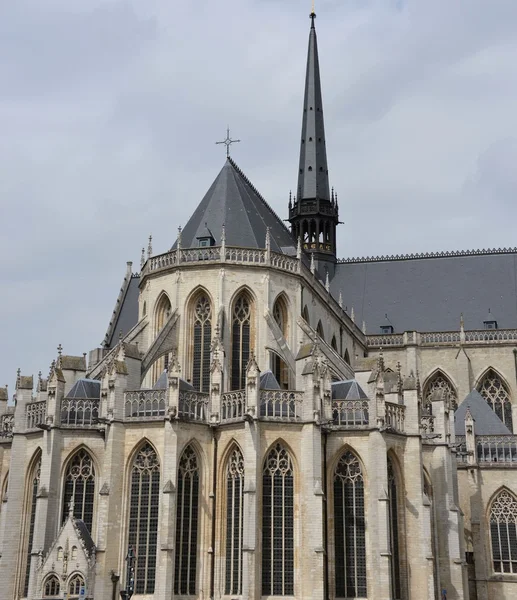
x=314, y=215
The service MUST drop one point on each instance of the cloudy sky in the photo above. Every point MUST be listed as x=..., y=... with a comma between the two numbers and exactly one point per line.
x=109, y=110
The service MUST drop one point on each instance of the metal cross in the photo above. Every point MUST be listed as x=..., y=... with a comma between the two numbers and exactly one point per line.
x=228, y=141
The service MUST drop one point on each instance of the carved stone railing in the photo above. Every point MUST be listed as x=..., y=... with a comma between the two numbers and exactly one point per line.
x=383, y=341
x=443, y=338
x=144, y=404
x=496, y=448
x=350, y=413
x=395, y=416
x=6, y=425
x=490, y=336
x=281, y=404
x=233, y=405
x=193, y=406
x=79, y=412
x=440, y=337
x=36, y=413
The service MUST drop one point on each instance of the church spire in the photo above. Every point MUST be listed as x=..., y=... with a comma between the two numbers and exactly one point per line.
x=314, y=212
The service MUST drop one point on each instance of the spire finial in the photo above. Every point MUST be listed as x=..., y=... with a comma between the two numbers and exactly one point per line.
x=142, y=259
x=228, y=142
x=312, y=15
x=150, y=247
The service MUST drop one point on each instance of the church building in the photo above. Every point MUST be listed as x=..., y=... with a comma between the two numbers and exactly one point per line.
x=266, y=420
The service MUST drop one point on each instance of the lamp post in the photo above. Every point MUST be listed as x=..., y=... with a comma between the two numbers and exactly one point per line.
x=130, y=575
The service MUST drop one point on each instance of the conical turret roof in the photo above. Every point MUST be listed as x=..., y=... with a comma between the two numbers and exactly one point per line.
x=234, y=202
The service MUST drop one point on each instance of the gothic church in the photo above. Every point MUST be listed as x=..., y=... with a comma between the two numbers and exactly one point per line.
x=266, y=420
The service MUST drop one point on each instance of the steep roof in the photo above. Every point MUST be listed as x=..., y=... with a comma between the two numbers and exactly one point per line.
x=486, y=422
x=430, y=292
x=234, y=202
x=85, y=389
x=348, y=390
x=125, y=314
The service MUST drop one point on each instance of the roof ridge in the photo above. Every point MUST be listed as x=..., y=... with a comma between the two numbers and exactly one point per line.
x=266, y=203
x=442, y=254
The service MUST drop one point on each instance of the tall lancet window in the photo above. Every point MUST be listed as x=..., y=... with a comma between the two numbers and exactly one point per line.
x=144, y=503
x=279, y=366
x=278, y=524
x=202, y=339
x=187, y=523
x=439, y=385
x=234, y=522
x=80, y=488
x=32, y=494
x=495, y=392
x=503, y=531
x=393, y=522
x=350, y=531
x=241, y=340
x=162, y=313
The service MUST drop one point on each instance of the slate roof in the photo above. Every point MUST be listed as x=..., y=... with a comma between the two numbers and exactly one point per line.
x=430, y=293
x=72, y=363
x=85, y=389
x=348, y=390
x=84, y=534
x=162, y=384
x=268, y=381
x=486, y=422
x=234, y=202
x=125, y=315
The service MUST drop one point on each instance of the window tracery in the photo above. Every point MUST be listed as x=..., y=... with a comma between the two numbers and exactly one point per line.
x=234, y=522
x=187, y=513
x=349, y=528
x=79, y=488
x=503, y=531
x=52, y=587
x=495, y=392
x=202, y=339
x=440, y=384
x=74, y=585
x=394, y=532
x=241, y=341
x=143, y=517
x=31, y=512
x=278, y=524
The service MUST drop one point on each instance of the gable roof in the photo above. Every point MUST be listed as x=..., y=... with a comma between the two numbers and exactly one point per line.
x=430, y=292
x=348, y=390
x=486, y=422
x=234, y=202
x=85, y=389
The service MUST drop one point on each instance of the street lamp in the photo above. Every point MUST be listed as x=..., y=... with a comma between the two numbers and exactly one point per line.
x=130, y=575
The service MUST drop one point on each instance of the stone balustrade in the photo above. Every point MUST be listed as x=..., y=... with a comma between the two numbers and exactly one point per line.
x=79, y=412
x=142, y=404
x=193, y=406
x=443, y=338
x=395, y=416
x=36, y=413
x=233, y=405
x=490, y=449
x=281, y=404
x=350, y=413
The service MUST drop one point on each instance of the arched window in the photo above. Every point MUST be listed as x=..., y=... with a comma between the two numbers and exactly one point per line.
x=441, y=386
x=241, y=340
x=280, y=314
x=187, y=513
x=333, y=343
x=5, y=486
x=278, y=365
x=74, y=585
x=350, y=531
x=495, y=392
x=234, y=522
x=51, y=587
x=202, y=339
x=144, y=309
x=162, y=312
x=60, y=553
x=80, y=488
x=347, y=357
x=278, y=524
x=32, y=494
x=503, y=531
x=143, y=517
x=319, y=330
x=305, y=315
x=393, y=522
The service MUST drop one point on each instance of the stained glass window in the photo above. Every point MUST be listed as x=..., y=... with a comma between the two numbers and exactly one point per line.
x=143, y=517
x=202, y=339
x=439, y=385
x=31, y=510
x=394, y=532
x=80, y=488
x=495, y=392
x=350, y=530
x=278, y=524
x=187, y=524
x=74, y=586
x=234, y=522
x=503, y=530
x=52, y=587
x=241, y=341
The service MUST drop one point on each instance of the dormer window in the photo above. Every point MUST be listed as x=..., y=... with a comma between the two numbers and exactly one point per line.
x=205, y=238
x=490, y=321
x=386, y=329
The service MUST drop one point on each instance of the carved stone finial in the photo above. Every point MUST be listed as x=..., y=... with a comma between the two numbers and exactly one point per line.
x=150, y=247
x=352, y=315
x=71, y=508
x=268, y=239
x=327, y=281
x=380, y=361
x=142, y=259
x=364, y=327
x=60, y=350
x=340, y=301
x=313, y=266
x=299, y=248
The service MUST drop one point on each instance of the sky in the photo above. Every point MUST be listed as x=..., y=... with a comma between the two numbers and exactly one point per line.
x=110, y=110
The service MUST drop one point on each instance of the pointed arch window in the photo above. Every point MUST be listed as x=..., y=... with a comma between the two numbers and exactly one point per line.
x=51, y=587
x=394, y=533
x=305, y=315
x=187, y=523
x=143, y=517
x=333, y=343
x=241, y=340
x=5, y=489
x=234, y=522
x=496, y=393
x=349, y=528
x=278, y=365
x=347, y=357
x=202, y=339
x=439, y=385
x=32, y=496
x=162, y=313
x=74, y=586
x=319, y=330
x=503, y=531
x=80, y=488
x=278, y=524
